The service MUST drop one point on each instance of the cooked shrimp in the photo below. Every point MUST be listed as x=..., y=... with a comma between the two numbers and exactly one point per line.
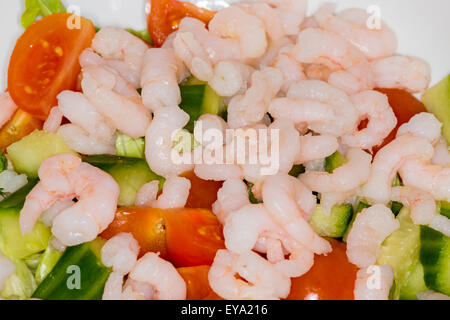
x=232, y=196
x=353, y=80
x=387, y=162
x=218, y=172
x=120, y=253
x=373, y=106
x=330, y=199
x=268, y=15
x=250, y=108
x=233, y=22
x=374, y=283
x=7, y=268
x=159, y=80
x=124, y=51
x=422, y=125
x=354, y=173
x=316, y=147
x=228, y=78
x=291, y=69
x=64, y=176
x=441, y=223
x=126, y=114
x=50, y=214
x=54, y=120
x=352, y=25
x=421, y=204
x=7, y=107
x=175, y=193
x=159, y=144
x=441, y=153
x=80, y=141
x=262, y=280
x=114, y=286
x=147, y=194
x=161, y=275
x=402, y=72
x=368, y=231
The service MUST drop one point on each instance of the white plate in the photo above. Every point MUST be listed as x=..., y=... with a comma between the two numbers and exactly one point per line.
x=422, y=26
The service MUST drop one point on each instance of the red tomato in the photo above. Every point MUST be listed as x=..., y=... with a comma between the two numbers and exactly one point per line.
x=332, y=277
x=203, y=193
x=45, y=62
x=163, y=17
x=20, y=125
x=193, y=237
x=405, y=106
x=197, y=283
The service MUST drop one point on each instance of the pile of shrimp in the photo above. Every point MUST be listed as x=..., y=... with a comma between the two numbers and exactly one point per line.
x=315, y=76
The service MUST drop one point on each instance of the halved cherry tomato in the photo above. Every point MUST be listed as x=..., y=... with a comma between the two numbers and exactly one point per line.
x=45, y=62
x=197, y=283
x=186, y=237
x=20, y=125
x=203, y=193
x=164, y=16
x=332, y=277
x=405, y=106
x=193, y=237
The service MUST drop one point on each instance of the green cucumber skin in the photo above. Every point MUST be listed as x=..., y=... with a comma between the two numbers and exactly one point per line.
x=17, y=199
x=334, y=161
x=334, y=225
x=93, y=276
x=191, y=102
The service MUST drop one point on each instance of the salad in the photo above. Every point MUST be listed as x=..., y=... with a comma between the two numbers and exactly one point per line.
x=253, y=152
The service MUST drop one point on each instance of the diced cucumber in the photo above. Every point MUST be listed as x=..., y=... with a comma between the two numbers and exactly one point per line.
x=334, y=161
x=78, y=275
x=3, y=161
x=129, y=147
x=251, y=196
x=130, y=173
x=17, y=199
x=27, y=154
x=13, y=243
x=333, y=225
x=435, y=258
x=413, y=283
x=48, y=261
x=444, y=208
x=396, y=207
x=437, y=101
x=21, y=284
x=198, y=98
x=297, y=170
x=401, y=249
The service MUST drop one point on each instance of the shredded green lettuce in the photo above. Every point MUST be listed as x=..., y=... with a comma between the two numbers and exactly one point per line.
x=129, y=147
x=40, y=8
x=21, y=284
x=142, y=34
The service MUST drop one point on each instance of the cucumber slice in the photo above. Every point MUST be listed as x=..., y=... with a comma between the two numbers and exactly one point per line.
x=413, y=283
x=437, y=101
x=334, y=161
x=297, y=170
x=435, y=258
x=198, y=98
x=27, y=154
x=15, y=245
x=130, y=173
x=48, y=261
x=401, y=249
x=78, y=275
x=333, y=225
x=444, y=208
x=129, y=147
x=17, y=199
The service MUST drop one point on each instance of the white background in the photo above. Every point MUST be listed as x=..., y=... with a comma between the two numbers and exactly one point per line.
x=422, y=26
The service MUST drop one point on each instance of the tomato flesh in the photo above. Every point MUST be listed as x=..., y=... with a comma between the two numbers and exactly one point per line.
x=405, y=106
x=20, y=125
x=45, y=62
x=203, y=193
x=164, y=16
x=197, y=283
x=332, y=277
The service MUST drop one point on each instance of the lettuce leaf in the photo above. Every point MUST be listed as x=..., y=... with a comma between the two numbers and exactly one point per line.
x=129, y=147
x=40, y=8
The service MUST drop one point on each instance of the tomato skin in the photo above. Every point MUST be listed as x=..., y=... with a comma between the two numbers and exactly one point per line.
x=405, y=106
x=185, y=237
x=203, y=193
x=332, y=277
x=163, y=17
x=197, y=283
x=45, y=62
x=193, y=237
x=20, y=125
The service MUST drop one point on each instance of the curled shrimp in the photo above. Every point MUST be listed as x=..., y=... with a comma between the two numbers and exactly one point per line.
x=127, y=114
x=368, y=231
x=161, y=275
x=373, y=106
x=120, y=253
x=354, y=173
x=422, y=125
x=123, y=51
x=7, y=268
x=54, y=120
x=441, y=153
x=159, y=144
x=262, y=280
x=352, y=25
x=232, y=196
x=421, y=204
x=316, y=147
x=387, y=162
x=159, y=80
x=7, y=107
x=64, y=176
x=374, y=283
x=402, y=72
x=291, y=69
x=175, y=194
